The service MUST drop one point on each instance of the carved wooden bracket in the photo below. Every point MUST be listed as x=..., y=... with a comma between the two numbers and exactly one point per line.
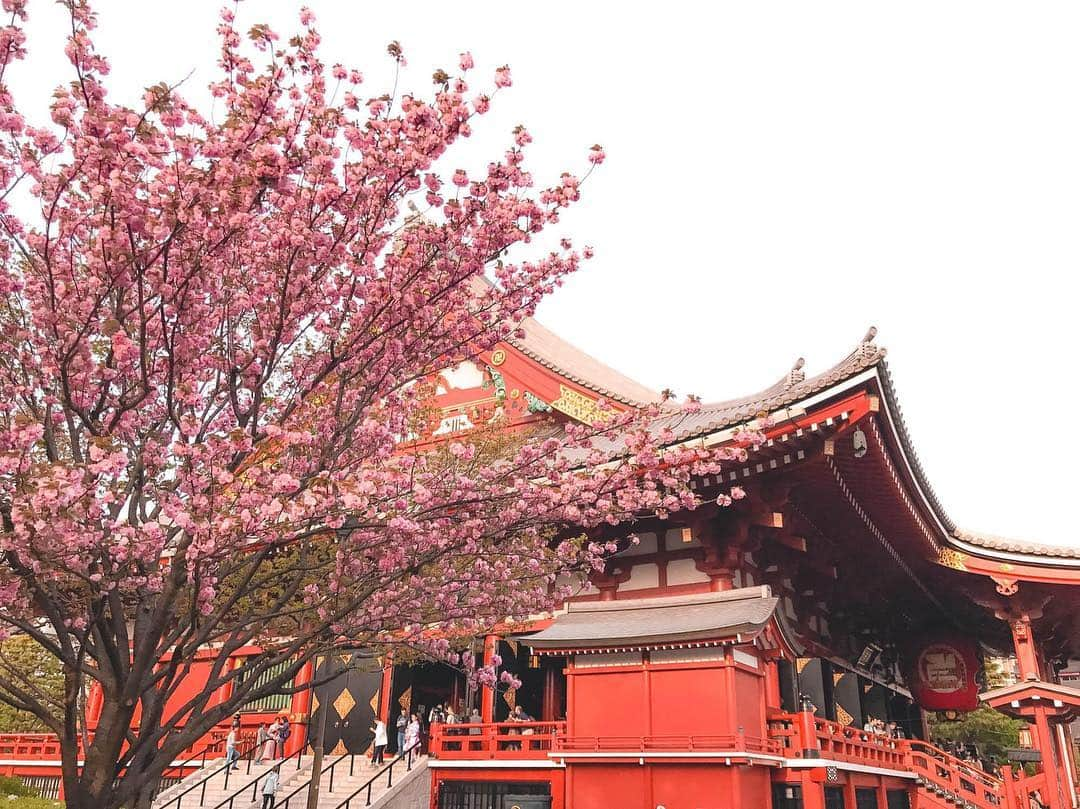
x=1007, y=587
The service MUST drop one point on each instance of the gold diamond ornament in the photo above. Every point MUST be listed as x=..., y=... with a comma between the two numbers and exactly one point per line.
x=344, y=703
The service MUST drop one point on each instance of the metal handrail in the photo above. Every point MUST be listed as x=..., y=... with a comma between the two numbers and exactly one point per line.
x=228, y=799
x=388, y=769
x=227, y=766
x=182, y=766
x=284, y=804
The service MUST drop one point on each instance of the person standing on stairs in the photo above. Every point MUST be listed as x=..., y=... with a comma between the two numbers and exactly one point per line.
x=380, y=742
x=283, y=735
x=260, y=742
x=232, y=756
x=412, y=733
x=402, y=723
x=270, y=748
x=270, y=787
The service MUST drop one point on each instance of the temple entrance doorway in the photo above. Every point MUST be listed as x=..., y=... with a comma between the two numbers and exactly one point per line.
x=542, y=693
x=349, y=699
x=420, y=687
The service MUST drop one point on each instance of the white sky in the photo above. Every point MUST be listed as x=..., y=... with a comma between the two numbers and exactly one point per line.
x=780, y=176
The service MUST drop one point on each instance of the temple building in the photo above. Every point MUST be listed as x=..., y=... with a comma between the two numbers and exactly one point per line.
x=737, y=656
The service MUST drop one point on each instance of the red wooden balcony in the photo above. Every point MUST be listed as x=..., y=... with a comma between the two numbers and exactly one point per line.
x=732, y=743
x=535, y=740
x=498, y=740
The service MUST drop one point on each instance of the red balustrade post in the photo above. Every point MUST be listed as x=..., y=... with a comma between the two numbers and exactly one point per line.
x=386, y=688
x=809, y=746
x=1008, y=790
x=487, y=693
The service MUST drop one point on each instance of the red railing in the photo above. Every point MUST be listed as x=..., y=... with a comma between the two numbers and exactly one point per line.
x=46, y=746
x=30, y=746
x=536, y=740
x=835, y=741
x=945, y=774
x=1024, y=788
x=502, y=740
x=804, y=735
x=732, y=743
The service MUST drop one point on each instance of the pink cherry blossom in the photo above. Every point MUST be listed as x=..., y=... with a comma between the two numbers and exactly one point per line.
x=217, y=334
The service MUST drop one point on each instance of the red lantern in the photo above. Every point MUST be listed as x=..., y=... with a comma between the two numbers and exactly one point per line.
x=942, y=674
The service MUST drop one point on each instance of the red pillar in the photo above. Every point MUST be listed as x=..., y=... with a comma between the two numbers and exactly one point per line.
x=1009, y=789
x=772, y=685
x=813, y=793
x=1027, y=652
x=1068, y=763
x=94, y=701
x=386, y=688
x=301, y=709
x=487, y=694
x=1047, y=745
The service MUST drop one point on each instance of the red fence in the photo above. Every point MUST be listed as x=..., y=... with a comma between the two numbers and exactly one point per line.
x=30, y=746
x=535, y=740
x=46, y=746
x=804, y=735
x=502, y=740
x=732, y=743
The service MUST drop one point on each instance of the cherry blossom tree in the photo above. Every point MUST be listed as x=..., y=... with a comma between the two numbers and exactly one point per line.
x=215, y=328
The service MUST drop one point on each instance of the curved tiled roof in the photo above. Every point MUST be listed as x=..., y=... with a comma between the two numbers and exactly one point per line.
x=544, y=346
x=547, y=348
x=551, y=351
x=632, y=623
x=792, y=388
x=1009, y=545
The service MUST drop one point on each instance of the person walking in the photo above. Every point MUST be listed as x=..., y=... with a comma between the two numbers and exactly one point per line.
x=232, y=755
x=270, y=788
x=379, y=730
x=402, y=723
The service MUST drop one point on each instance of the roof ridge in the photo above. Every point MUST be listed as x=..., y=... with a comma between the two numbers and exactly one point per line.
x=544, y=346
x=998, y=542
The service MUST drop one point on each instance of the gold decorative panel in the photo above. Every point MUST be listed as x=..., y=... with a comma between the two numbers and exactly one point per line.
x=344, y=703
x=577, y=406
x=950, y=558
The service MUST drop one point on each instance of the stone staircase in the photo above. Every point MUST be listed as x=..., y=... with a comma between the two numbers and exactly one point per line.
x=345, y=784
x=206, y=787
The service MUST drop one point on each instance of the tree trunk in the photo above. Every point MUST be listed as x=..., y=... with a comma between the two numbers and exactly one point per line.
x=317, y=761
x=95, y=785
